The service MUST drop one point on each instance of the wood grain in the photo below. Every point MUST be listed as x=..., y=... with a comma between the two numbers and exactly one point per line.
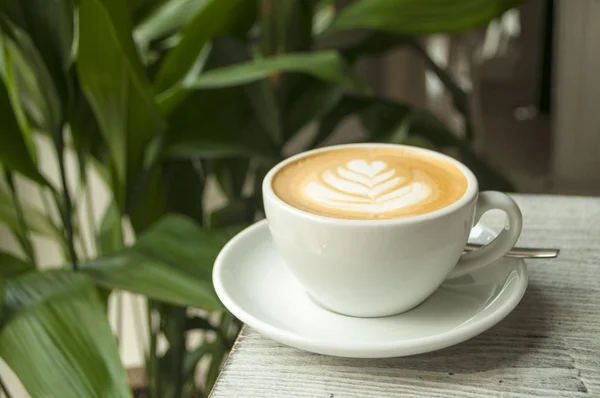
x=549, y=346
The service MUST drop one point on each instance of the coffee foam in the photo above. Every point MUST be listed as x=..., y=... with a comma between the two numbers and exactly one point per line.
x=369, y=183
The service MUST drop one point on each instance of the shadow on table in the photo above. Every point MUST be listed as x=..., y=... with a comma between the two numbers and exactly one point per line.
x=504, y=345
x=519, y=354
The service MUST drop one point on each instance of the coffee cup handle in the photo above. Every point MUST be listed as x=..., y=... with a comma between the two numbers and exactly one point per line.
x=505, y=240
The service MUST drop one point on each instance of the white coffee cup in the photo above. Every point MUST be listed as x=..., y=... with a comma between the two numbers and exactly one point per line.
x=373, y=268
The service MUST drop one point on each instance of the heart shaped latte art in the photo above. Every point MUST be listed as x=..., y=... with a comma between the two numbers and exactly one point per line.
x=372, y=187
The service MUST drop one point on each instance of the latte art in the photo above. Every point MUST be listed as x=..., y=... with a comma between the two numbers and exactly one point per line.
x=369, y=183
x=369, y=187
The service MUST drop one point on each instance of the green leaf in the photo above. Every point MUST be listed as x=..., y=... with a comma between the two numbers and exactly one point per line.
x=110, y=236
x=193, y=357
x=211, y=20
x=347, y=106
x=171, y=262
x=323, y=15
x=14, y=153
x=11, y=266
x=325, y=65
x=419, y=17
x=1, y=296
x=203, y=126
x=57, y=339
x=148, y=201
x=49, y=24
x=197, y=322
x=231, y=174
x=36, y=221
x=385, y=120
x=141, y=9
x=312, y=103
x=263, y=100
x=360, y=43
x=285, y=26
x=85, y=133
x=114, y=81
x=166, y=19
x=234, y=213
x=31, y=81
x=184, y=181
x=218, y=353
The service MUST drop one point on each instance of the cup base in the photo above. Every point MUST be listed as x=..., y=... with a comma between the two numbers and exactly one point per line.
x=383, y=314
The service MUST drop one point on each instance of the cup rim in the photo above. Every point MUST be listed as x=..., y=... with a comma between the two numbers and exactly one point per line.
x=468, y=197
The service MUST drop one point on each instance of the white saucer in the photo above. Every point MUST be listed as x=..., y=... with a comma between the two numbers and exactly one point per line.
x=256, y=286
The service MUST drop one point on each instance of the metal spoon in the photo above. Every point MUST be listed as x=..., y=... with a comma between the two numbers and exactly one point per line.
x=522, y=252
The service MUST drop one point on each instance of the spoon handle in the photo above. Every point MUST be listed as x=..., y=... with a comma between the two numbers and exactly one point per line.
x=522, y=252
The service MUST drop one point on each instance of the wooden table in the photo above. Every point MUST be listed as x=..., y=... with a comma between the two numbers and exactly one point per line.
x=549, y=346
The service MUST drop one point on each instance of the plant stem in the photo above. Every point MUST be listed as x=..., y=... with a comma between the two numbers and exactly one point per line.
x=4, y=389
x=91, y=221
x=68, y=206
x=46, y=205
x=179, y=346
x=152, y=371
x=459, y=96
x=52, y=216
x=77, y=221
x=23, y=235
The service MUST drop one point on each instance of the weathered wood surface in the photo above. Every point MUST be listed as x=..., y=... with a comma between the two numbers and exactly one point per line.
x=548, y=347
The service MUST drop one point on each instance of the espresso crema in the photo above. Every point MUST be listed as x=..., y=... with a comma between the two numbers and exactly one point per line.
x=369, y=183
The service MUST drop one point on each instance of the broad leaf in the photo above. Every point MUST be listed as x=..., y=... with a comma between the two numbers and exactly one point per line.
x=231, y=174
x=193, y=357
x=1, y=297
x=198, y=323
x=57, y=339
x=36, y=221
x=313, y=102
x=171, y=262
x=262, y=93
x=385, y=120
x=49, y=24
x=115, y=84
x=325, y=65
x=11, y=266
x=285, y=26
x=234, y=213
x=110, y=236
x=14, y=152
x=211, y=20
x=360, y=43
x=347, y=106
x=30, y=80
x=167, y=19
x=215, y=124
x=141, y=9
x=419, y=17
x=263, y=100
x=85, y=133
x=184, y=181
x=218, y=353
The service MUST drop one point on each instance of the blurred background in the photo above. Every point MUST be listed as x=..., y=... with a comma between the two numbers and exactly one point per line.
x=137, y=110
x=531, y=78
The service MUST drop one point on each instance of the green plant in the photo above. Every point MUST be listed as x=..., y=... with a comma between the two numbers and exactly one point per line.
x=158, y=97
